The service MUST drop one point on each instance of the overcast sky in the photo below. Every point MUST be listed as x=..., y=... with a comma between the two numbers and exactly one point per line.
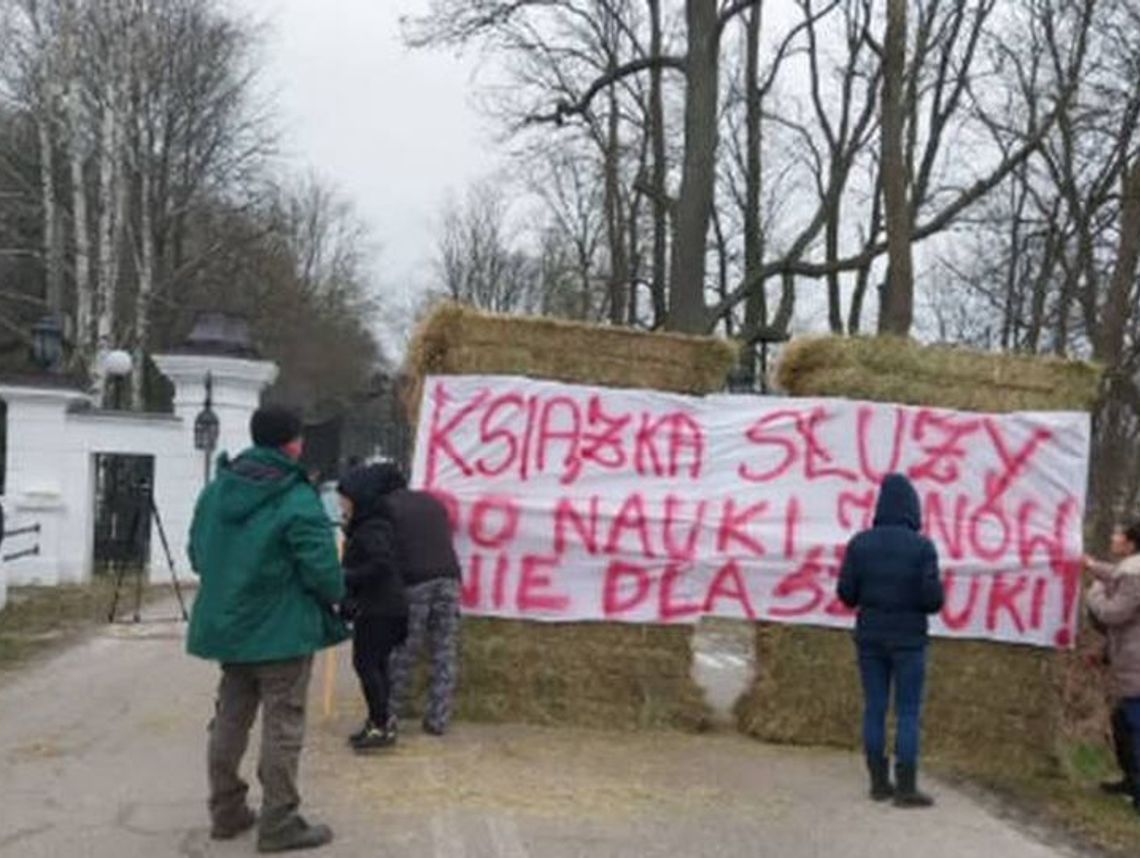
x=394, y=129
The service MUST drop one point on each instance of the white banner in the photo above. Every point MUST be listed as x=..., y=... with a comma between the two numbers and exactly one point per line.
x=585, y=503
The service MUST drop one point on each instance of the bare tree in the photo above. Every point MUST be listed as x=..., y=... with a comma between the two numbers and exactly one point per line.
x=477, y=260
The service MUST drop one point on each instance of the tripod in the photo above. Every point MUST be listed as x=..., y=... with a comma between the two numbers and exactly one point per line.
x=137, y=538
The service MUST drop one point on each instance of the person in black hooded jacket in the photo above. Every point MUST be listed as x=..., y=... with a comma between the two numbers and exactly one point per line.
x=890, y=577
x=375, y=602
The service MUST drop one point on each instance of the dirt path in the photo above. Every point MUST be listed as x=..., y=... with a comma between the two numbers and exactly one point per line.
x=101, y=755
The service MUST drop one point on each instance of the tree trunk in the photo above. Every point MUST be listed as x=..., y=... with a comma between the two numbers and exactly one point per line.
x=687, y=310
x=111, y=200
x=1041, y=284
x=660, y=192
x=897, y=309
x=84, y=293
x=53, y=247
x=756, y=304
x=1117, y=310
x=615, y=222
x=831, y=241
x=145, y=280
x=1110, y=454
x=863, y=276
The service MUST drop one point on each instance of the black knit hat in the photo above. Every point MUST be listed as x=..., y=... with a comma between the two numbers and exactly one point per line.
x=274, y=426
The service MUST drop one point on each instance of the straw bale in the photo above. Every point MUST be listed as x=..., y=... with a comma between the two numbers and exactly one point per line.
x=988, y=705
x=586, y=674
x=892, y=369
x=456, y=340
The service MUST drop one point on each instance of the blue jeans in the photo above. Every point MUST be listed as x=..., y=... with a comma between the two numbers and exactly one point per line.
x=1130, y=708
x=879, y=667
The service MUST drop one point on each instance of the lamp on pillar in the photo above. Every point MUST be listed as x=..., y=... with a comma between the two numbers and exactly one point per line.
x=117, y=365
x=47, y=344
x=206, y=427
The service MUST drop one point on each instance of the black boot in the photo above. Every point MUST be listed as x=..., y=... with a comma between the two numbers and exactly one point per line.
x=879, y=769
x=906, y=789
x=294, y=836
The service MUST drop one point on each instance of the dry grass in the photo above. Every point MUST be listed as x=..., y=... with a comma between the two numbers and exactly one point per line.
x=38, y=619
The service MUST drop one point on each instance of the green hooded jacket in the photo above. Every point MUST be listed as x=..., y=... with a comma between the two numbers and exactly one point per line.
x=263, y=548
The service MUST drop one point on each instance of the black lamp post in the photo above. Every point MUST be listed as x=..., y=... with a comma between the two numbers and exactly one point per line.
x=47, y=344
x=206, y=427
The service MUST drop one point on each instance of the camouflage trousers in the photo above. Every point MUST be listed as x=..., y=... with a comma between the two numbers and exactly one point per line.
x=433, y=619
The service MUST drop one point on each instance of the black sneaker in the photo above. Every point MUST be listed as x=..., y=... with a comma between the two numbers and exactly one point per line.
x=297, y=835
x=434, y=729
x=361, y=733
x=372, y=738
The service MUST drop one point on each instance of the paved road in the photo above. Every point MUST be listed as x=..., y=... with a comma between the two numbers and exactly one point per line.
x=101, y=755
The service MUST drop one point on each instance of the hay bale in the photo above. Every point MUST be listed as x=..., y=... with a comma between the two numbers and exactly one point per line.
x=457, y=340
x=989, y=706
x=893, y=369
x=585, y=674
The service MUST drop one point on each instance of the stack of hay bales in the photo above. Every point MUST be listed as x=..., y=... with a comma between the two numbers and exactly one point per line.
x=587, y=674
x=991, y=708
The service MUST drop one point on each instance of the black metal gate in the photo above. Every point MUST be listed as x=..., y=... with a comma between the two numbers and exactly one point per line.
x=122, y=510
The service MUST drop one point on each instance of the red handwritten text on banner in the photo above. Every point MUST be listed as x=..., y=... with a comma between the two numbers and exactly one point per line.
x=585, y=503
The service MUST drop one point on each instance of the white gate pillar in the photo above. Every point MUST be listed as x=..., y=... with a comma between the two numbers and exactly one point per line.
x=237, y=384
x=40, y=463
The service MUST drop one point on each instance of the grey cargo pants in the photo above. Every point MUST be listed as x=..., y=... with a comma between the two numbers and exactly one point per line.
x=280, y=688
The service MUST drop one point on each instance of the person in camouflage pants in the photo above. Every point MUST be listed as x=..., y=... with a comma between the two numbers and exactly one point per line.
x=430, y=569
x=433, y=618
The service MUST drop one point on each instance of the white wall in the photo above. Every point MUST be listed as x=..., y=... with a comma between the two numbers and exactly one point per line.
x=51, y=463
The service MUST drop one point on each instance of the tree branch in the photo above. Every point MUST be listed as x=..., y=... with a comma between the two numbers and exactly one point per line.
x=792, y=265
x=565, y=109
x=731, y=11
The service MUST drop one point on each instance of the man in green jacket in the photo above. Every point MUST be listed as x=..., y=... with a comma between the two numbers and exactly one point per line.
x=262, y=545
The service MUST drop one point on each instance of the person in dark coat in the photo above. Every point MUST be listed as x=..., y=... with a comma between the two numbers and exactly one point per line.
x=375, y=602
x=890, y=577
x=431, y=572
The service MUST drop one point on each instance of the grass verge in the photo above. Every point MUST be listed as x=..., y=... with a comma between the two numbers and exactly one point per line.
x=1067, y=801
x=38, y=620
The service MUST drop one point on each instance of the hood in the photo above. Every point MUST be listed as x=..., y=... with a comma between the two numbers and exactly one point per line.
x=368, y=486
x=257, y=477
x=898, y=504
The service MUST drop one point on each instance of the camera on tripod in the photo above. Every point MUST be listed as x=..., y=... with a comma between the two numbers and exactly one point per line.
x=136, y=542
